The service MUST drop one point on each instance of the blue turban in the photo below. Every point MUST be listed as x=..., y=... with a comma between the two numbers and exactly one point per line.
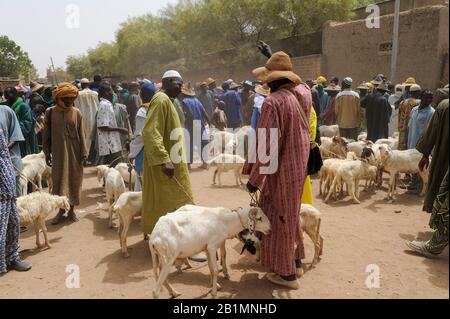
x=148, y=87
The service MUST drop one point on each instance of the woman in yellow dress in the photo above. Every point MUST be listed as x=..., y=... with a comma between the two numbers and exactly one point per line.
x=307, y=196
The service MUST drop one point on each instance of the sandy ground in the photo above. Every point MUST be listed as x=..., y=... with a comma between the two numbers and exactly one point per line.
x=355, y=236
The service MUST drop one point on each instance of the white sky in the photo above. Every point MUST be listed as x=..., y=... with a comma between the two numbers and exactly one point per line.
x=40, y=27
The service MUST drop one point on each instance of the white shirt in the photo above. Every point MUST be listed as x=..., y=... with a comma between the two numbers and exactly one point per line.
x=108, y=142
x=138, y=142
x=87, y=103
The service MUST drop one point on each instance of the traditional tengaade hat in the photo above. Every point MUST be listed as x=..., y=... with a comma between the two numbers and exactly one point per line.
x=263, y=90
x=279, y=66
x=188, y=90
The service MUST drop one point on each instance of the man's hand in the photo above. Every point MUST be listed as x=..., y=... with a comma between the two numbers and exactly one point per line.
x=84, y=161
x=48, y=160
x=168, y=169
x=424, y=163
x=252, y=189
x=264, y=48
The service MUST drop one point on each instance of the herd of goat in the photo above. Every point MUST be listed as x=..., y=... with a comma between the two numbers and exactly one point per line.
x=193, y=229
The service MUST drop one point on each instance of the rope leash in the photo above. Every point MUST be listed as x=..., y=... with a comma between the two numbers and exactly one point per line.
x=183, y=189
x=25, y=177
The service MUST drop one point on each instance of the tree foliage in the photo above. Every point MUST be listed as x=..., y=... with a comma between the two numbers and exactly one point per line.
x=79, y=66
x=14, y=62
x=182, y=34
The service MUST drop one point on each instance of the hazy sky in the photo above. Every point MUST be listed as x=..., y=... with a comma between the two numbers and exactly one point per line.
x=45, y=28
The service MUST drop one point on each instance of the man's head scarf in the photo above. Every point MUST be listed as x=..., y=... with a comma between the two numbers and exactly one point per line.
x=64, y=90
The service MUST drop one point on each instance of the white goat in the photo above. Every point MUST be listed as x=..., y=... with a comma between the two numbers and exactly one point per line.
x=193, y=229
x=357, y=147
x=325, y=146
x=114, y=186
x=34, y=166
x=123, y=170
x=127, y=207
x=350, y=173
x=226, y=163
x=362, y=136
x=391, y=142
x=222, y=142
x=310, y=220
x=101, y=174
x=329, y=131
x=395, y=162
x=34, y=209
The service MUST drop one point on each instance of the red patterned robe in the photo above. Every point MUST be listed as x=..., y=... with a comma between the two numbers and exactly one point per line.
x=281, y=191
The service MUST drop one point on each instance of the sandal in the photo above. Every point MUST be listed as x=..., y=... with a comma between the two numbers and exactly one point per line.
x=276, y=279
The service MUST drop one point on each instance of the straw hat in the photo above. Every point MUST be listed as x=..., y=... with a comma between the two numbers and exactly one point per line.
x=234, y=86
x=84, y=81
x=377, y=80
x=35, y=86
x=188, y=90
x=262, y=90
x=333, y=87
x=279, y=66
x=409, y=81
x=210, y=81
x=383, y=87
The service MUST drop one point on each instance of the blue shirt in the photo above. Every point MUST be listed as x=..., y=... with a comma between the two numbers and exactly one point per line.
x=196, y=111
x=418, y=122
x=233, y=105
x=11, y=127
x=324, y=102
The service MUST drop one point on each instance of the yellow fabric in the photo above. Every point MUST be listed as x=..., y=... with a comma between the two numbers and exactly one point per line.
x=65, y=89
x=307, y=196
x=162, y=195
x=321, y=80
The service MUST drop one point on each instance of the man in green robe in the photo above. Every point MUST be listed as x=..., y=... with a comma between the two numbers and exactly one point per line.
x=26, y=121
x=166, y=184
x=434, y=142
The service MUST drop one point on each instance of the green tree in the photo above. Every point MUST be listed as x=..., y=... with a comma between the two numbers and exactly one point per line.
x=79, y=66
x=104, y=59
x=13, y=60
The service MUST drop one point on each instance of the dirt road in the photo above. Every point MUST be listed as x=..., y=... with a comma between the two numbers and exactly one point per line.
x=362, y=237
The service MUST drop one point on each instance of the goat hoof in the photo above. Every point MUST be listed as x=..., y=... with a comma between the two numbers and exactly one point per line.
x=126, y=255
x=175, y=294
x=227, y=276
x=155, y=295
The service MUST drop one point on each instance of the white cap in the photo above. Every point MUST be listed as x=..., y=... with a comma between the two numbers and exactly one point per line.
x=415, y=88
x=84, y=81
x=171, y=74
x=348, y=80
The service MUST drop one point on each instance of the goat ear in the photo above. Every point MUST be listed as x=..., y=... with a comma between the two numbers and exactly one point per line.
x=252, y=213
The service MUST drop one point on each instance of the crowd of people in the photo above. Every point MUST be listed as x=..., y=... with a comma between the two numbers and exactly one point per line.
x=92, y=123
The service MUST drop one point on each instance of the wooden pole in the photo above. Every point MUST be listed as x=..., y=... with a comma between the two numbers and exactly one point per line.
x=395, y=41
